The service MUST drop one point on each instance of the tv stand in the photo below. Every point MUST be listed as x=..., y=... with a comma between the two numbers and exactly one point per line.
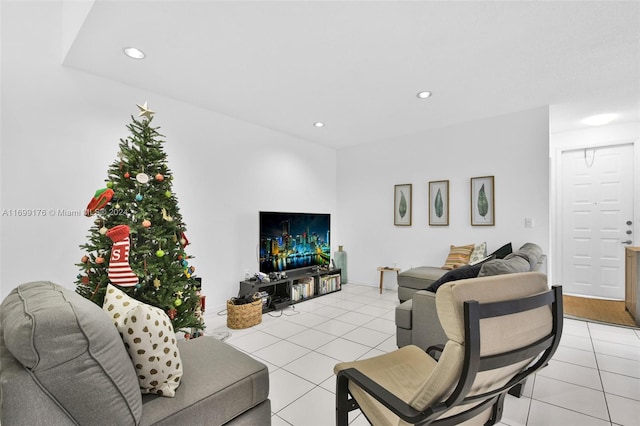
x=299, y=285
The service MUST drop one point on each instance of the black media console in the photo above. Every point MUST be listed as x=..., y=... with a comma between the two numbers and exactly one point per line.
x=297, y=286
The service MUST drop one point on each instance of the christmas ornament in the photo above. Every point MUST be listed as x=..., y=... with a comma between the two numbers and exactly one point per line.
x=185, y=263
x=119, y=271
x=85, y=280
x=146, y=223
x=142, y=178
x=183, y=239
x=177, y=302
x=99, y=260
x=159, y=177
x=167, y=194
x=160, y=253
x=145, y=111
x=127, y=175
x=138, y=197
x=156, y=283
x=99, y=200
x=172, y=313
x=179, y=294
x=109, y=184
x=103, y=230
x=165, y=216
x=84, y=259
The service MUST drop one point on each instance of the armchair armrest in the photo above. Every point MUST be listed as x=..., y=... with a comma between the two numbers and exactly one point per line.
x=426, y=328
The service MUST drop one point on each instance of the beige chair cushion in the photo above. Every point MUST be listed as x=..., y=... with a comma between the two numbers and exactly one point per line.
x=498, y=334
x=410, y=363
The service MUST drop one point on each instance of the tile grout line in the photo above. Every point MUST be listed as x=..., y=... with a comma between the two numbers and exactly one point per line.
x=595, y=357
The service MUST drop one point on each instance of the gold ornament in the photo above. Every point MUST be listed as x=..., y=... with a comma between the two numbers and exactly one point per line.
x=156, y=283
x=145, y=111
x=166, y=216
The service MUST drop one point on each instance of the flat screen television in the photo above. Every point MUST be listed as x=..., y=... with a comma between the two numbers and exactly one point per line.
x=294, y=240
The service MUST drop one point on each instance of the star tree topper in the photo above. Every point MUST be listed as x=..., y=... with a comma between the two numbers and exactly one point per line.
x=145, y=111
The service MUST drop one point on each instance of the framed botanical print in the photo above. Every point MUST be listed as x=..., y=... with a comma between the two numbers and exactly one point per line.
x=439, y=203
x=402, y=205
x=483, y=201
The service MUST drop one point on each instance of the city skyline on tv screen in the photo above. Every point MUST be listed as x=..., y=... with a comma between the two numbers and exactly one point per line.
x=294, y=240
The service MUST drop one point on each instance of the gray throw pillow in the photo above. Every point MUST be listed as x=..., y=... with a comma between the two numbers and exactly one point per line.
x=73, y=352
x=509, y=265
x=532, y=252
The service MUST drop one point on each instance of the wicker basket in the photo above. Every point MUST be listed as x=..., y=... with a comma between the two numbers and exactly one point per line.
x=244, y=316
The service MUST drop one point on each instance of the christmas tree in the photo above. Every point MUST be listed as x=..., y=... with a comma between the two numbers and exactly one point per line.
x=138, y=240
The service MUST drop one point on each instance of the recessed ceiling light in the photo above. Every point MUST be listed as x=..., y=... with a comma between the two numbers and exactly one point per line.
x=134, y=53
x=600, y=119
x=423, y=95
x=318, y=124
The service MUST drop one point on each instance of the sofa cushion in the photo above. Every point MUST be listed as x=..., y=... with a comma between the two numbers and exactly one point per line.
x=460, y=273
x=458, y=256
x=403, y=314
x=219, y=383
x=72, y=350
x=150, y=340
x=503, y=251
x=419, y=278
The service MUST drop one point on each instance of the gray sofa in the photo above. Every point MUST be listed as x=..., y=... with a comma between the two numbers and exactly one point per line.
x=417, y=320
x=64, y=363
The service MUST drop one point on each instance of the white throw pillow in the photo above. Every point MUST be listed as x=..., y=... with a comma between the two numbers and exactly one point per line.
x=478, y=254
x=149, y=337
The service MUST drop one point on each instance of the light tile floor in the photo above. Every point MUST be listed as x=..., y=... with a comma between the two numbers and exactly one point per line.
x=594, y=378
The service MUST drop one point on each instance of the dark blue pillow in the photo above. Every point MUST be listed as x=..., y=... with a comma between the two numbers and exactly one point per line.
x=460, y=273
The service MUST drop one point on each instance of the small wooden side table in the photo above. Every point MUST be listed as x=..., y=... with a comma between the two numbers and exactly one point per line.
x=384, y=269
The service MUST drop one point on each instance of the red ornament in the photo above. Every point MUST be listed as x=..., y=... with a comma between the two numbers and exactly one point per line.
x=172, y=313
x=146, y=223
x=159, y=177
x=85, y=259
x=183, y=240
x=84, y=280
x=127, y=175
x=99, y=260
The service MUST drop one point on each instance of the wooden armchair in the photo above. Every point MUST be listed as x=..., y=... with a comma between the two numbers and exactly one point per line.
x=501, y=329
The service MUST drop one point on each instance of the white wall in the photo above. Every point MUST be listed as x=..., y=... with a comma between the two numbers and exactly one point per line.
x=514, y=148
x=60, y=132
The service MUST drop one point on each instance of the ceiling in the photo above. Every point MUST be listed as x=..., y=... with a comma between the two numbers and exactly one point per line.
x=358, y=65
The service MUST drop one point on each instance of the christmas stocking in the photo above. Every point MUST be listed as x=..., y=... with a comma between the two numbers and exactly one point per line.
x=119, y=271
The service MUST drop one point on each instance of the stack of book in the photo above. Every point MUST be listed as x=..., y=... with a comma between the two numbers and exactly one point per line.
x=329, y=283
x=303, y=289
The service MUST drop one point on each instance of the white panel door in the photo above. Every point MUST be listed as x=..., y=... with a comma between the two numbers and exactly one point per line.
x=597, y=210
